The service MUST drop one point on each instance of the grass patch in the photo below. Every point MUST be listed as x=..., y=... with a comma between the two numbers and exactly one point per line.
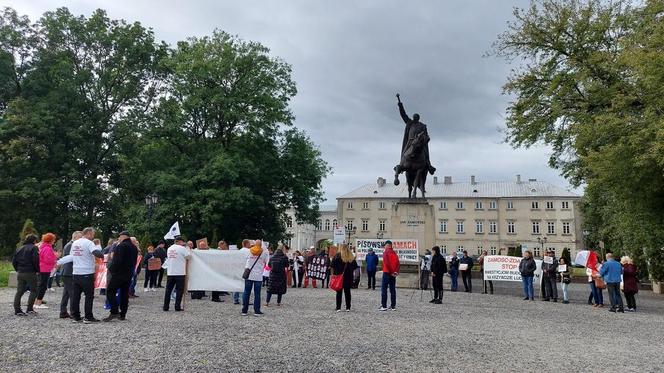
x=5, y=268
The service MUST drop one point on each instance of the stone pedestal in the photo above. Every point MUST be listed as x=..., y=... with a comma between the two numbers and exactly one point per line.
x=414, y=219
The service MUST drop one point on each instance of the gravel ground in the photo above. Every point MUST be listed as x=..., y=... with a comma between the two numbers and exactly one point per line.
x=469, y=332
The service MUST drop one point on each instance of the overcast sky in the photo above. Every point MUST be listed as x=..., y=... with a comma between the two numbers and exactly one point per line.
x=349, y=60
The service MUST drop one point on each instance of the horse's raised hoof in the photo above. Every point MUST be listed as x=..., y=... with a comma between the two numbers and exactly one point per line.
x=396, y=180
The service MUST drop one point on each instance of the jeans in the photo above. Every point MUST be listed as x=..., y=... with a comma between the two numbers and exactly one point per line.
x=437, y=287
x=25, y=281
x=132, y=284
x=269, y=296
x=176, y=282
x=550, y=287
x=256, y=285
x=345, y=291
x=66, y=293
x=371, y=280
x=111, y=290
x=614, y=295
x=43, y=284
x=597, y=293
x=391, y=282
x=466, y=276
x=565, y=291
x=236, y=297
x=82, y=284
x=528, y=291
x=454, y=276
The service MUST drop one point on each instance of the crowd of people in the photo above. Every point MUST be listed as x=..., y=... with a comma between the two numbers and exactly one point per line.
x=36, y=264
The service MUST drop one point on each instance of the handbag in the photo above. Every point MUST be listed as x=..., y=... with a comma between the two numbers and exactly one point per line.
x=247, y=271
x=599, y=283
x=337, y=281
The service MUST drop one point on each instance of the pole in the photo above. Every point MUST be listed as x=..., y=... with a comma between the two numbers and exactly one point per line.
x=186, y=285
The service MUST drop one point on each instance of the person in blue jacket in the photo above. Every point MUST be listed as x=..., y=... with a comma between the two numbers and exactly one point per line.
x=372, y=265
x=454, y=271
x=611, y=272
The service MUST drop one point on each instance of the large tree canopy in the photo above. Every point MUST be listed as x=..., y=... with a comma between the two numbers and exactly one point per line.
x=95, y=114
x=590, y=85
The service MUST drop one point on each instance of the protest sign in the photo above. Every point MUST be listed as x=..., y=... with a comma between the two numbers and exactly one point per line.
x=562, y=268
x=407, y=250
x=506, y=268
x=548, y=260
x=317, y=267
x=216, y=270
x=202, y=242
x=339, y=234
x=100, y=272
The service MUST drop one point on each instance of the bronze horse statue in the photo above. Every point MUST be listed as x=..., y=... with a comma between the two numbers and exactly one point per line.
x=414, y=154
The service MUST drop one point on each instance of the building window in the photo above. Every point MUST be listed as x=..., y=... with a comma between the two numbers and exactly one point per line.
x=327, y=224
x=381, y=205
x=319, y=225
x=551, y=227
x=536, y=227
x=289, y=222
x=365, y=225
x=511, y=227
x=510, y=205
x=536, y=251
x=493, y=226
x=552, y=249
x=443, y=205
x=460, y=249
x=334, y=224
x=478, y=205
x=493, y=205
x=479, y=226
x=479, y=250
x=534, y=205
x=365, y=205
x=350, y=205
x=460, y=205
x=565, y=205
x=443, y=226
x=493, y=250
x=381, y=225
x=443, y=249
x=459, y=226
x=566, y=229
x=349, y=224
x=549, y=205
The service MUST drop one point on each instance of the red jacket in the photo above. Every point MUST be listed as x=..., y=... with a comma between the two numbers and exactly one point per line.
x=390, y=261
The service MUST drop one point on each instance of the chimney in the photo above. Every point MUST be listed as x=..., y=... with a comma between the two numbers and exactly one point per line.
x=435, y=180
x=380, y=182
x=532, y=180
x=518, y=179
x=472, y=179
x=448, y=180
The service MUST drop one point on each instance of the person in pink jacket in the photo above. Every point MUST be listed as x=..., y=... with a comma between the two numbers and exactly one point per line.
x=47, y=261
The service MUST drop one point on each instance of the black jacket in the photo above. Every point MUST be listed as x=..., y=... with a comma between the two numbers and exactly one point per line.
x=278, y=264
x=338, y=268
x=454, y=264
x=467, y=260
x=26, y=259
x=67, y=269
x=122, y=265
x=527, y=267
x=550, y=270
x=160, y=253
x=438, y=265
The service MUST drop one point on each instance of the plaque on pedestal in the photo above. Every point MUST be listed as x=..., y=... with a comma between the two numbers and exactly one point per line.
x=413, y=218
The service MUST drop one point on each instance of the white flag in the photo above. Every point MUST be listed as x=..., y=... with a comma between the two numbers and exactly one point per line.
x=174, y=231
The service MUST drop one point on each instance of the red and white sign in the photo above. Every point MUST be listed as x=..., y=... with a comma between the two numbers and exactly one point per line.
x=407, y=250
x=506, y=268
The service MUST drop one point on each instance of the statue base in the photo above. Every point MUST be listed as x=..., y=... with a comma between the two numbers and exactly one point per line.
x=413, y=218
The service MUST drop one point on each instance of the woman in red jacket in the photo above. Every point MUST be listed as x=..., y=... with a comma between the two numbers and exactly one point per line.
x=630, y=282
x=47, y=261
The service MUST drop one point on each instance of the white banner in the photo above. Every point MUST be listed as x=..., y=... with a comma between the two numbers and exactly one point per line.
x=407, y=250
x=216, y=270
x=506, y=268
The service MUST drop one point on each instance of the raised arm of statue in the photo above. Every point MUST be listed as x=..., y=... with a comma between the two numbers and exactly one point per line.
x=402, y=111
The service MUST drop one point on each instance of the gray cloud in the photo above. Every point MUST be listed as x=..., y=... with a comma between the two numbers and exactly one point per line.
x=350, y=58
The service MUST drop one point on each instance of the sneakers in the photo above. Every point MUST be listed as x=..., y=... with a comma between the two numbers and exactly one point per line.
x=338, y=310
x=257, y=314
x=41, y=306
x=244, y=314
x=153, y=289
x=145, y=290
x=21, y=313
x=393, y=309
x=76, y=321
x=51, y=289
x=111, y=317
x=90, y=321
x=382, y=309
x=433, y=301
x=347, y=309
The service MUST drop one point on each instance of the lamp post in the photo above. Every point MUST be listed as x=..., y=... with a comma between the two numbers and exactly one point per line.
x=350, y=232
x=542, y=241
x=151, y=201
x=379, y=235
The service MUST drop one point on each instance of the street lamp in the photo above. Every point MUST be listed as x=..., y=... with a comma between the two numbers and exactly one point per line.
x=379, y=235
x=350, y=232
x=151, y=201
x=542, y=241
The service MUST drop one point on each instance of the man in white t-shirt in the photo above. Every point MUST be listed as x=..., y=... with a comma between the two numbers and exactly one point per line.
x=176, y=259
x=82, y=255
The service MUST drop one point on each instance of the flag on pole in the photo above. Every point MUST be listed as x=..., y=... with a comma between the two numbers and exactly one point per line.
x=586, y=258
x=174, y=231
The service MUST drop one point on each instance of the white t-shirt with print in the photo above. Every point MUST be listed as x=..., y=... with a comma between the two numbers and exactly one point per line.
x=257, y=271
x=83, y=260
x=176, y=257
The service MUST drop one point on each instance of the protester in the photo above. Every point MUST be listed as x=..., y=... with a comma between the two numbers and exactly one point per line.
x=425, y=270
x=480, y=261
x=454, y=272
x=549, y=277
x=390, y=272
x=83, y=253
x=300, y=268
x=438, y=270
x=67, y=270
x=326, y=280
x=27, y=265
x=597, y=293
x=246, y=250
x=160, y=252
x=466, y=274
x=565, y=279
x=277, y=285
x=611, y=272
x=110, y=243
x=267, y=269
x=150, y=275
x=221, y=245
x=255, y=263
x=344, y=264
x=121, y=266
x=309, y=256
x=527, y=268
x=371, y=261
x=47, y=261
x=630, y=282
x=176, y=264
